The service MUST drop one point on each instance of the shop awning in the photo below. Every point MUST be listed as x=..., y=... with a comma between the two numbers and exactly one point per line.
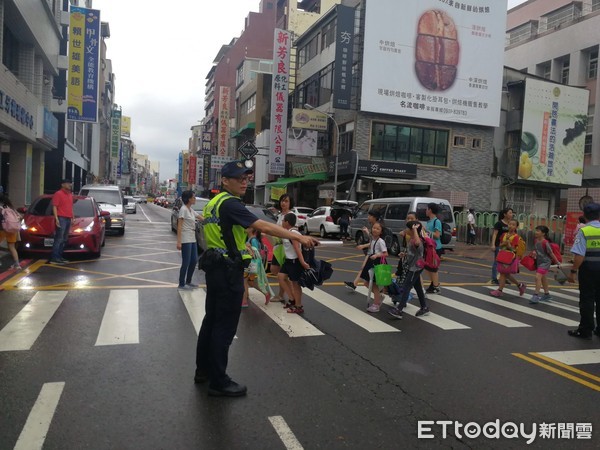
x=283, y=182
x=381, y=180
x=248, y=126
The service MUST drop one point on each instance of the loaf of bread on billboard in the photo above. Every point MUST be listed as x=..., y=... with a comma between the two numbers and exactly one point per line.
x=437, y=51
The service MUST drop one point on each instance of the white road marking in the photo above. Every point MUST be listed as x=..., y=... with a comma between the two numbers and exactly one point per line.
x=285, y=433
x=549, y=303
x=38, y=422
x=349, y=312
x=120, y=324
x=575, y=357
x=195, y=303
x=23, y=330
x=144, y=212
x=515, y=307
x=432, y=318
x=293, y=324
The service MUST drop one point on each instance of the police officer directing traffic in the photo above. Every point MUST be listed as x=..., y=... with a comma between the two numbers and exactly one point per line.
x=587, y=262
x=225, y=221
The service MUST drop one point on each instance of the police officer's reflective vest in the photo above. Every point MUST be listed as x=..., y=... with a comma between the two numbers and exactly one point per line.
x=212, y=228
x=592, y=247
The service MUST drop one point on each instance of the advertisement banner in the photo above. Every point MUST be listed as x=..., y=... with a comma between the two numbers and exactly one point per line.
x=199, y=170
x=115, y=133
x=309, y=119
x=206, y=147
x=206, y=171
x=180, y=169
x=126, y=126
x=554, y=128
x=424, y=59
x=84, y=62
x=224, y=99
x=216, y=161
x=302, y=142
x=279, y=101
x=344, y=57
x=192, y=166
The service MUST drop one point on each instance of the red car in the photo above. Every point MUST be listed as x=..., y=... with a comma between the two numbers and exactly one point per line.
x=87, y=228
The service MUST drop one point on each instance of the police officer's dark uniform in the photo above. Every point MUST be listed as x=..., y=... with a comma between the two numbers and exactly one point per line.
x=587, y=261
x=225, y=221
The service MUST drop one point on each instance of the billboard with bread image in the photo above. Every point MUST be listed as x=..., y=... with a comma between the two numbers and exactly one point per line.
x=435, y=59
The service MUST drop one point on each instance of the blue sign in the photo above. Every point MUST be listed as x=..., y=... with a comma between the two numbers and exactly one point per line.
x=50, y=132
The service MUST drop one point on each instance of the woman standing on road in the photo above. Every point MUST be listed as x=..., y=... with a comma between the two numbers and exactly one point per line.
x=11, y=237
x=500, y=228
x=285, y=206
x=186, y=240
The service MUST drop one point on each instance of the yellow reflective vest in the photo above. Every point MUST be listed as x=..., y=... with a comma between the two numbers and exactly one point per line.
x=212, y=227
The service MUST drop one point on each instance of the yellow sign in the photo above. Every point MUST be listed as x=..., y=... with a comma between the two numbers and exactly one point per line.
x=277, y=192
x=76, y=69
x=125, y=126
x=309, y=119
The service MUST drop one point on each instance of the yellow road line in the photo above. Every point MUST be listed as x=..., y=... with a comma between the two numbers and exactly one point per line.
x=566, y=366
x=557, y=371
x=13, y=281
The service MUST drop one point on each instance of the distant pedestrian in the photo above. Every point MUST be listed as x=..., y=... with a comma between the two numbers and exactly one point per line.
x=186, y=239
x=587, y=262
x=62, y=209
x=414, y=267
x=344, y=221
x=471, y=232
x=434, y=230
x=510, y=241
x=500, y=228
x=544, y=258
x=7, y=209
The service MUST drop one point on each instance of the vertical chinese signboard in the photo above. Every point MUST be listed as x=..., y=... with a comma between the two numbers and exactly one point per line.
x=206, y=143
x=224, y=100
x=344, y=47
x=279, y=101
x=126, y=126
x=192, y=167
x=115, y=133
x=84, y=60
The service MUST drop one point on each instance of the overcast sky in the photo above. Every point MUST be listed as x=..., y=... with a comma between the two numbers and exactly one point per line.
x=161, y=53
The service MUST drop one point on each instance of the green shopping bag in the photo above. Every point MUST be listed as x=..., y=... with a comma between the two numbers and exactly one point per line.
x=279, y=254
x=383, y=273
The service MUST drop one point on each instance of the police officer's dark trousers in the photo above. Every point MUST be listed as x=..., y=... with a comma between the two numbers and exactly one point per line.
x=589, y=298
x=224, y=292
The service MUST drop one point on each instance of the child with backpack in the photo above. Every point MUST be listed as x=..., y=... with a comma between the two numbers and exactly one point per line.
x=376, y=251
x=510, y=242
x=10, y=222
x=414, y=265
x=546, y=253
x=255, y=275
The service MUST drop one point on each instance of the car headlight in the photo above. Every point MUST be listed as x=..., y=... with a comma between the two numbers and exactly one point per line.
x=90, y=227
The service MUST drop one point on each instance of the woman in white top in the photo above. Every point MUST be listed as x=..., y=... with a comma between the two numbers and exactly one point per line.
x=186, y=240
x=285, y=205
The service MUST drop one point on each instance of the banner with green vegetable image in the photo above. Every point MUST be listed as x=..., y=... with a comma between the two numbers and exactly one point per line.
x=553, y=137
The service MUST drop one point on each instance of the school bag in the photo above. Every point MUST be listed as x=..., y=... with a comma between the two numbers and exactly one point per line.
x=446, y=234
x=521, y=247
x=11, y=221
x=555, y=249
x=431, y=260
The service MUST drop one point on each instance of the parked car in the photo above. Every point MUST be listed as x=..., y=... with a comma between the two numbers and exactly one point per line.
x=324, y=219
x=87, y=231
x=130, y=204
x=301, y=213
x=198, y=207
x=393, y=211
x=110, y=199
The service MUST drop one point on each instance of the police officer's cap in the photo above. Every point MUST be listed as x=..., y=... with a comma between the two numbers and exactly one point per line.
x=591, y=208
x=234, y=169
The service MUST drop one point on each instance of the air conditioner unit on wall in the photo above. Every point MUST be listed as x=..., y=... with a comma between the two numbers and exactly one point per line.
x=364, y=186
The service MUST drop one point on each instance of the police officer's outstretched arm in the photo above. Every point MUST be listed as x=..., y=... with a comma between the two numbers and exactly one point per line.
x=275, y=230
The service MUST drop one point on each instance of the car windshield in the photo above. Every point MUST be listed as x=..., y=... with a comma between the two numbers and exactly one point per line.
x=81, y=207
x=103, y=196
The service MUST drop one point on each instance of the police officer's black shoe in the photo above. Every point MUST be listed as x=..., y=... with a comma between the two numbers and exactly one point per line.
x=231, y=390
x=580, y=334
x=597, y=332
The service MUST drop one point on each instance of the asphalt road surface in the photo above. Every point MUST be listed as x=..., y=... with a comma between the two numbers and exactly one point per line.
x=99, y=354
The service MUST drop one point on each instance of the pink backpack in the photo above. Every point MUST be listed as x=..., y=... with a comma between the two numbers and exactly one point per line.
x=11, y=221
x=431, y=260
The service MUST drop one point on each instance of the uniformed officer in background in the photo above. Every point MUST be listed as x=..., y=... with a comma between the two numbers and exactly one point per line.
x=225, y=221
x=587, y=262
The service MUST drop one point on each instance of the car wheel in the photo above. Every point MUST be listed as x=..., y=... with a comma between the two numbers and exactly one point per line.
x=322, y=232
x=395, y=247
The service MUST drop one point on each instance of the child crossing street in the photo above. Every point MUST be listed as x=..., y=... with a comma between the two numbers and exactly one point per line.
x=509, y=242
x=544, y=258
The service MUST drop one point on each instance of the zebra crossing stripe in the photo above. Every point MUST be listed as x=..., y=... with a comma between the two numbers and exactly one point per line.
x=515, y=307
x=38, y=422
x=292, y=324
x=23, y=330
x=195, y=303
x=432, y=318
x=550, y=303
x=575, y=357
x=573, y=298
x=360, y=318
x=120, y=324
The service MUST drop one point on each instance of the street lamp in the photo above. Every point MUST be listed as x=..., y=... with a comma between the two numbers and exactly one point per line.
x=337, y=146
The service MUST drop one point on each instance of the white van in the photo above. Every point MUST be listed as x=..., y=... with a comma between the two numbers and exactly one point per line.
x=393, y=211
x=109, y=198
